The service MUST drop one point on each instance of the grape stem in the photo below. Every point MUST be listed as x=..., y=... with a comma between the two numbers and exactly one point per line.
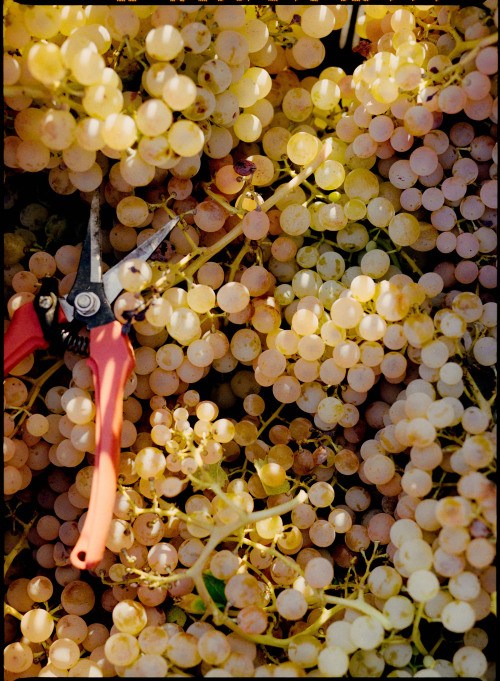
x=35, y=391
x=220, y=533
x=221, y=201
x=477, y=395
x=416, y=630
x=26, y=91
x=21, y=544
x=359, y=604
x=9, y=610
x=280, y=193
x=246, y=248
x=269, y=420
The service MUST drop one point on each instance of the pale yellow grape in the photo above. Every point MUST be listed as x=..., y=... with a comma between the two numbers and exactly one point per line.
x=248, y=127
x=308, y=52
x=404, y=229
x=297, y=104
x=185, y=138
x=184, y=325
x=366, y=632
x=201, y=298
x=153, y=117
x=159, y=312
x=302, y=148
x=245, y=345
x=380, y=211
x=355, y=209
x=400, y=611
x=458, y=616
x=119, y=131
x=346, y=313
x=129, y=616
x=46, y=64
x=64, y=653
x=87, y=67
x=330, y=409
x=37, y=625
x=256, y=33
x=329, y=175
x=179, y=92
x=230, y=16
x=232, y=47
x=361, y=183
x=57, y=129
x=164, y=43
x=134, y=275
x=304, y=322
x=295, y=219
x=121, y=649
x=87, y=180
x=17, y=657
x=286, y=389
x=261, y=78
x=233, y=297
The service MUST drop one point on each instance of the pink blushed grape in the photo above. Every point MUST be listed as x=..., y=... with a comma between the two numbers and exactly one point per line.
x=466, y=272
x=487, y=60
x=452, y=99
x=432, y=199
x=401, y=140
x=444, y=219
x=476, y=85
x=479, y=109
x=489, y=193
x=467, y=245
x=488, y=276
x=462, y=134
x=446, y=271
x=446, y=242
x=472, y=208
x=454, y=188
x=423, y=160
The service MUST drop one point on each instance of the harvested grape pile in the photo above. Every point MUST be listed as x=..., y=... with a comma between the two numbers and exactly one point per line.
x=308, y=446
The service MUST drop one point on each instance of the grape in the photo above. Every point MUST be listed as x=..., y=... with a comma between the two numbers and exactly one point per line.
x=37, y=625
x=253, y=286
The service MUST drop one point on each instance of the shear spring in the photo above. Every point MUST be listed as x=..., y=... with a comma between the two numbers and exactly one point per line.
x=72, y=341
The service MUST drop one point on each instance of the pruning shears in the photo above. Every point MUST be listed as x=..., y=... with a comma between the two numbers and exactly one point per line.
x=45, y=322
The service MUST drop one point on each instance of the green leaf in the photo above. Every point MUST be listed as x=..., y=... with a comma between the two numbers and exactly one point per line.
x=280, y=489
x=216, y=474
x=215, y=588
x=176, y=616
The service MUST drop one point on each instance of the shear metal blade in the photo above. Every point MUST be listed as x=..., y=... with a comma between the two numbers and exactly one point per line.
x=111, y=282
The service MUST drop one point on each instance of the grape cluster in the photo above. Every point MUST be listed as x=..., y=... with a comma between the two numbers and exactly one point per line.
x=306, y=480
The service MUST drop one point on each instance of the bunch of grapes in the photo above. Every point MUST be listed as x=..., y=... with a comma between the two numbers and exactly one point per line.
x=306, y=479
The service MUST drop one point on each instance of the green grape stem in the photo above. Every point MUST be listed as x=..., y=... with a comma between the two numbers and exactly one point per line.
x=246, y=248
x=359, y=604
x=22, y=543
x=35, y=391
x=280, y=193
x=9, y=610
x=477, y=395
x=270, y=420
x=415, y=634
x=26, y=91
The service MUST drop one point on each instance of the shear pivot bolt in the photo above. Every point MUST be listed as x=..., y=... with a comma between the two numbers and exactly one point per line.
x=87, y=303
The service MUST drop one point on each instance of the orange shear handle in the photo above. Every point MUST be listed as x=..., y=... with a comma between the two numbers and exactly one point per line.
x=111, y=361
x=23, y=337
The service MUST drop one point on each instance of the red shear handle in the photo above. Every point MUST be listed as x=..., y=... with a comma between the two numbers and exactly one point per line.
x=23, y=337
x=112, y=361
